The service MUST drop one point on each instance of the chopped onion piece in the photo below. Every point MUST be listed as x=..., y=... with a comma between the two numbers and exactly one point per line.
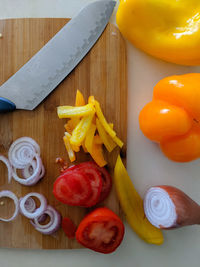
x=38, y=211
x=8, y=165
x=52, y=226
x=11, y=195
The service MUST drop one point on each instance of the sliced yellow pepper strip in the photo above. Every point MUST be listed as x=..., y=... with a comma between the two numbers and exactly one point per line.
x=91, y=99
x=132, y=205
x=84, y=147
x=103, y=121
x=89, y=137
x=107, y=140
x=80, y=101
x=97, y=155
x=79, y=133
x=97, y=140
x=71, y=112
x=111, y=125
x=118, y=141
x=70, y=151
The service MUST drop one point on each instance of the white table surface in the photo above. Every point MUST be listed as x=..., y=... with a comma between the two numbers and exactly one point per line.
x=146, y=165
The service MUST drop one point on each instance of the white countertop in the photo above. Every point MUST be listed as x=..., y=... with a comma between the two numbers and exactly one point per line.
x=146, y=165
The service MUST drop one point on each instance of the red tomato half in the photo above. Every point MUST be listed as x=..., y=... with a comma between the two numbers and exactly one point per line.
x=101, y=230
x=105, y=177
x=69, y=227
x=72, y=188
x=94, y=177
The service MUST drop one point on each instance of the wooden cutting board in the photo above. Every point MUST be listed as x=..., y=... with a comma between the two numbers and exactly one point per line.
x=101, y=73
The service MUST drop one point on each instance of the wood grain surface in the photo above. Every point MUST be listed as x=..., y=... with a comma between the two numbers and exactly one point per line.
x=101, y=73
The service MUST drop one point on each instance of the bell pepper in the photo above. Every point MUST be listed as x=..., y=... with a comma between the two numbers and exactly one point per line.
x=68, y=146
x=87, y=127
x=80, y=131
x=71, y=112
x=166, y=29
x=132, y=205
x=172, y=118
x=107, y=140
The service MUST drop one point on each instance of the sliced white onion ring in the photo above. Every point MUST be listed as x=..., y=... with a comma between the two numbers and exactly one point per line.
x=38, y=211
x=22, y=151
x=29, y=170
x=52, y=226
x=34, y=178
x=159, y=208
x=8, y=165
x=11, y=195
x=29, y=205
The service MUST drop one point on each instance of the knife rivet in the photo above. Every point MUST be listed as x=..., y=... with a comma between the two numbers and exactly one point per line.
x=1, y=35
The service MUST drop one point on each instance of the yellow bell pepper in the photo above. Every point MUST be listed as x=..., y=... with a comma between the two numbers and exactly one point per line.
x=166, y=29
x=79, y=133
x=97, y=154
x=80, y=101
x=68, y=146
x=90, y=137
x=132, y=205
x=103, y=121
x=70, y=112
x=107, y=140
x=87, y=127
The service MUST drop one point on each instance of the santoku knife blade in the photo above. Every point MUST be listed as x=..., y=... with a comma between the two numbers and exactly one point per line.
x=48, y=67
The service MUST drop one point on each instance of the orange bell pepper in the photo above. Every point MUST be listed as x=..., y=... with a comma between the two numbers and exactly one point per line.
x=172, y=118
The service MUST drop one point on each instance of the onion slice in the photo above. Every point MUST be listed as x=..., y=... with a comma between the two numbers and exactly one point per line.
x=34, y=178
x=11, y=195
x=38, y=211
x=22, y=151
x=52, y=226
x=167, y=207
x=159, y=208
x=8, y=165
x=29, y=204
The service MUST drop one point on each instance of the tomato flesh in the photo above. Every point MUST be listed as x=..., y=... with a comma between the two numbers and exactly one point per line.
x=105, y=177
x=72, y=188
x=101, y=230
x=94, y=177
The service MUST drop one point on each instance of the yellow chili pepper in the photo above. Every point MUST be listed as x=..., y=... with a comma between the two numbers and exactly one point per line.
x=166, y=29
x=79, y=133
x=70, y=112
x=132, y=205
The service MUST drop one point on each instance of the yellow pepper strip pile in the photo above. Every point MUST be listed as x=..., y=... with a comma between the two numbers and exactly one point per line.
x=132, y=205
x=87, y=128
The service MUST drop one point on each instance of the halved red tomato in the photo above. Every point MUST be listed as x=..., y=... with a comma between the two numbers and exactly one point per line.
x=95, y=178
x=101, y=230
x=105, y=177
x=73, y=188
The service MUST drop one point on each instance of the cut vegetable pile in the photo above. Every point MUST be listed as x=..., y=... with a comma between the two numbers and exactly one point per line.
x=87, y=128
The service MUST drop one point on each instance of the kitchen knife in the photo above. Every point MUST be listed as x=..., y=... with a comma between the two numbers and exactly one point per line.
x=48, y=67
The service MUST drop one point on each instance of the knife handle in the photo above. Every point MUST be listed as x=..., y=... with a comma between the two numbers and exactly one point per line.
x=6, y=105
